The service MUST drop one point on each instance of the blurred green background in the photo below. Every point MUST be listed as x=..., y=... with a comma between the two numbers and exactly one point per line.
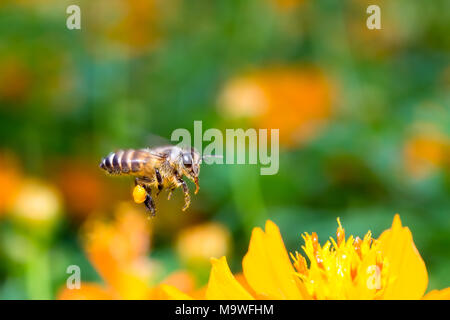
x=363, y=117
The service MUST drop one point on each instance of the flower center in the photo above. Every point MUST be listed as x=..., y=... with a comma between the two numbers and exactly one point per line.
x=343, y=269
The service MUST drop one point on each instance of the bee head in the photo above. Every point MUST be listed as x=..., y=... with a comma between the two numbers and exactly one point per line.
x=191, y=165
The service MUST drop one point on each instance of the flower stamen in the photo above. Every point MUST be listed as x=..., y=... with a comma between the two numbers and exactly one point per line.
x=339, y=268
x=340, y=233
x=357, y=246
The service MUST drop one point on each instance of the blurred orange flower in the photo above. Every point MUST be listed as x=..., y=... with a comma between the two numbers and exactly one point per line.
x=131, y=24
x=118, y=251
x=353, y=268
x=201, y=242
x=288, y=4
x=298, y=101
x=83, y=188
x=10, y=181
x=377, y=43
x=15, y=80
x=426, y=152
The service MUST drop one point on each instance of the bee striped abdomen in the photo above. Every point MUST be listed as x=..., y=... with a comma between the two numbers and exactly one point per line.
x=124, y=162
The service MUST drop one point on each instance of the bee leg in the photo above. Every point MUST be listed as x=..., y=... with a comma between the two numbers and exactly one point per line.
x=187, y=197
x=159, y=179
x=142, y=181
x=170, y=193
x=149, y=202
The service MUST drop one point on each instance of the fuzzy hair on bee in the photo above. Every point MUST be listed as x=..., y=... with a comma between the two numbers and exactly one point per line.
x=160, y=168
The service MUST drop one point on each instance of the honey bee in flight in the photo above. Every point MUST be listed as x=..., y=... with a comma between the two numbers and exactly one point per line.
x=157, y=168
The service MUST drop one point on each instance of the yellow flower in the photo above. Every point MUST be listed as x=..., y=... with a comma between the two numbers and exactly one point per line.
x=389, y=267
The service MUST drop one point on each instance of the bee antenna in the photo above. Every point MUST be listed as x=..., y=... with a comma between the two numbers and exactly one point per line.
x=211, y=156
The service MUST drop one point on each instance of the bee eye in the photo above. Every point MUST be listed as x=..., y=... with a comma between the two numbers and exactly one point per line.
x=187, y=160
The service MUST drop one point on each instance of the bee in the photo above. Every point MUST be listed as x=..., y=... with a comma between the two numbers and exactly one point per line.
x=156, y=168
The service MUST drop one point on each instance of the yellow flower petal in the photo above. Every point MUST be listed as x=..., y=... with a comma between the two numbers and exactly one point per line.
x=222, y=285
x=168, y=292
x=267, y=267
x=443, y=294
x=410, y=278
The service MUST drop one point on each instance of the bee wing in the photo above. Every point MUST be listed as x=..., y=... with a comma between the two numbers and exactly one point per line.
x=152, y=154
x=154, y=140
x=146, y=159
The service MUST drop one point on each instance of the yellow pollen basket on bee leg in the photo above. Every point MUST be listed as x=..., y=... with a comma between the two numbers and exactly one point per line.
x=139, y=194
